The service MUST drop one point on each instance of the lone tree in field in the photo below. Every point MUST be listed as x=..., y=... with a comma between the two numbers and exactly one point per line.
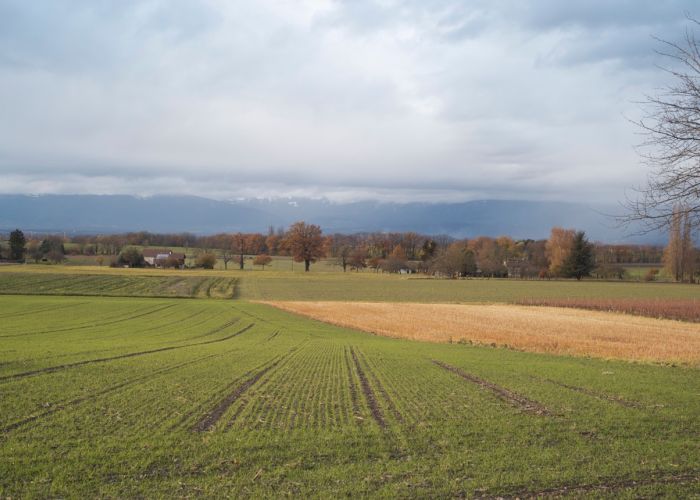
x=671, y=148
x=580, y=260
x=305, y=243
x=17, y=245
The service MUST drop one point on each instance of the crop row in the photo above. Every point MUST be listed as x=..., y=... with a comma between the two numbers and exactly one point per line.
x=117, y=285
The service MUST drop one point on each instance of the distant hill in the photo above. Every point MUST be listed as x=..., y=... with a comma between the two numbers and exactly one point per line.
x=111, y=214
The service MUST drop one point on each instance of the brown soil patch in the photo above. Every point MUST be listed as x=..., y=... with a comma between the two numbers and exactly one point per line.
x=513, y=398
x=550, y=330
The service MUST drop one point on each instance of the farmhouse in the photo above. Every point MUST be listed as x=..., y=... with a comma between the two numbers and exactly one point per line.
x=157, y=257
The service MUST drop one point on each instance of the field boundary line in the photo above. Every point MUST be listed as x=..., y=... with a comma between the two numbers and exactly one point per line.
x=515, y=399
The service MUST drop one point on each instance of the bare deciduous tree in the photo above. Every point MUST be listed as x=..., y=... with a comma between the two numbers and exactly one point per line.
x=671, y=148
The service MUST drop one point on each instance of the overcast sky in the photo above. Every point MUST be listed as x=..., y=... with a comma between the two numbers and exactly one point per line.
x=419, y=100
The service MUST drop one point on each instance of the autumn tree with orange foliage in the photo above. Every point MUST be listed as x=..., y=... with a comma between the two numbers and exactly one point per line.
x=305, y=243
x=558, y=248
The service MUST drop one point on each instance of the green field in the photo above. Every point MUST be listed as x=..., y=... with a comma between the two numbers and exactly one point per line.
x=156, y=397
x=275, y=285
x=117, y=285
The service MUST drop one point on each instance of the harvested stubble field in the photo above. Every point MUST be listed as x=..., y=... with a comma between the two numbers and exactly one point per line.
x=549, y=330
x=129, y=397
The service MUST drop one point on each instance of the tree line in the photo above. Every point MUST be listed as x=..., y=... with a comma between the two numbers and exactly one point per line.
x=566, y=253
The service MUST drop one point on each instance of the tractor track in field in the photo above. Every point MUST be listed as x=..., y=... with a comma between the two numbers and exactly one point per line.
x=217, y=329
x=519, y=401
x=597, y=395
x=56, y=368
x=382, y=390
x=274, y=334
x=368, y=392
x=57, y=407
x=96, y=325
x=353, y=388
x=209, y=420
x=157, y=327
x=39, y=311
x=606, y=487
x=283, y=359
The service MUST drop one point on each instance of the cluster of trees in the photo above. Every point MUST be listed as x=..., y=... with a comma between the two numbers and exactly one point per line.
x=19, y=248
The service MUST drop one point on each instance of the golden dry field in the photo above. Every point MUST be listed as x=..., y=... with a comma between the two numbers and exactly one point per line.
x=549, y=330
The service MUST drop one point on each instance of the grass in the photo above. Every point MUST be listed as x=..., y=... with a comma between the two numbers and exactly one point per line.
x=549, y=330
x=129, y=397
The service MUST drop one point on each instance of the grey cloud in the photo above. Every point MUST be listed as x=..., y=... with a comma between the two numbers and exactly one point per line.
x=486, y=98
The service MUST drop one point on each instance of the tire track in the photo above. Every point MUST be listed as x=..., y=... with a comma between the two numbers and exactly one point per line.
x=513, y=398
x=217, y=329
x=368, y=392
x=597, y=395
x=353, y=388
x=57, y=407
x=39, y=311
x=95, y=325
x=284, y=360
x=211, y=418
x=382, y=390
x=52, y=369
x=607, y=487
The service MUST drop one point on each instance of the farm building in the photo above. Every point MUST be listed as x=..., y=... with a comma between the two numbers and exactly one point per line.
x=157, y=257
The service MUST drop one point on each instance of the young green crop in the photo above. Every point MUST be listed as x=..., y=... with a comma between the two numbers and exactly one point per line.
x=126, y=397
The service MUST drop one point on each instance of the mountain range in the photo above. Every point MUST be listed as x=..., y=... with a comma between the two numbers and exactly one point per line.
x=94, y=214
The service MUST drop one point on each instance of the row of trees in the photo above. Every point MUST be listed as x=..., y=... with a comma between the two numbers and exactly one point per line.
x=567, y=253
